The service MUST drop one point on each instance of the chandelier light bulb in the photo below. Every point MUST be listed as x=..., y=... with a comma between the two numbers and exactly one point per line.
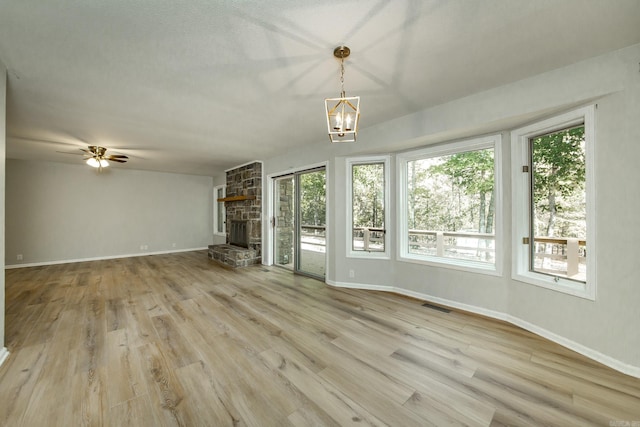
x=338, y=124
x=348, y=122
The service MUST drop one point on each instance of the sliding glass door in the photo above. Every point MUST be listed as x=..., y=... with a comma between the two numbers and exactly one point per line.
x=311, y=222
x=300, y=222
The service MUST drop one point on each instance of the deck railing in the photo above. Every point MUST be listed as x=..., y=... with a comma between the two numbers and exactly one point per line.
x=369, y=239
x=314, y=235
x=561, y=255
x=556, y=255
x=453, y=244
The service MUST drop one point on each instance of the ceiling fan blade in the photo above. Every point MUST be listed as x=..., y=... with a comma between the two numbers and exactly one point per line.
x=87, y=151
x=116, y=156
x=68, y=152
x=116, y=160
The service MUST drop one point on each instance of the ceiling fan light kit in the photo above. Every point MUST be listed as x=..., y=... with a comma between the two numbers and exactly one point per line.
x=97, y=163
x=343, y=114
x=97, y=157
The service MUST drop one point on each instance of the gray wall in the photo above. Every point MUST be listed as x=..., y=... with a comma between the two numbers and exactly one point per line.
x=606, y=328
x=60, y=212
x=3, y=132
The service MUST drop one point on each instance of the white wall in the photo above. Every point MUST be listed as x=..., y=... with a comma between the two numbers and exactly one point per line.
x=3, y=132
x=605, y=329
x=60, y=212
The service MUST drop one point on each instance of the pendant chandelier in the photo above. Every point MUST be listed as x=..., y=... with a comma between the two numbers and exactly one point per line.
x=343, y=114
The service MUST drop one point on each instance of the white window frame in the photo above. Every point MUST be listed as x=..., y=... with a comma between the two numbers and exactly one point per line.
x=521, y=203
x=217, y=232
x=350, y=162
x=480, y=143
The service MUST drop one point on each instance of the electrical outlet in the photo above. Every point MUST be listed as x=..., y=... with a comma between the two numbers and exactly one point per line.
x=352, y=274
x=142, y=247
x=173, y=245
x=19, y=257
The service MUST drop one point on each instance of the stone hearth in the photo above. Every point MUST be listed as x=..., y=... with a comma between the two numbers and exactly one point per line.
x=243, y=205
x=233, y=256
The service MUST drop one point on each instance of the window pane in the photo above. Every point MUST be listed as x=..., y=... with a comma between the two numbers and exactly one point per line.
x=220, y=211
x=311, y=231
x=451, y=206
x=558, y=217
x=368, y=207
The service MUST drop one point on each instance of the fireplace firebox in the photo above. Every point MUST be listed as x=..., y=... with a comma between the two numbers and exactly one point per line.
x=239, y=233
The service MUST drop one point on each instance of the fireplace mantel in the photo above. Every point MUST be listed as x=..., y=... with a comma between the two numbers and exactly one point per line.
x=236, y=198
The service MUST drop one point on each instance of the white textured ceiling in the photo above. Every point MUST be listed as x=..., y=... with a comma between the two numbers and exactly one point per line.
x=197, y=86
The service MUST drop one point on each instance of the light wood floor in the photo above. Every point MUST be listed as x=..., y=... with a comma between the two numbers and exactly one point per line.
x=177, y=340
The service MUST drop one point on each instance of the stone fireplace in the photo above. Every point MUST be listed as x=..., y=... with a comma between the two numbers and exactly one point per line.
x=243, y=209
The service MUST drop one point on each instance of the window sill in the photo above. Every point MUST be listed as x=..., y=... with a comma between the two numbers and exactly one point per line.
x=469, y=266
x=563, y=286
x=368, y=255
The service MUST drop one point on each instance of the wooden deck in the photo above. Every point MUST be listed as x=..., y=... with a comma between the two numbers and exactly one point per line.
x=176, y=339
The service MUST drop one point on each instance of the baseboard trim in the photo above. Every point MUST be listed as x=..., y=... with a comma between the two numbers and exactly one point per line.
x=609, y=361
x=69, y=261
x=4, y=353
x=359, y=286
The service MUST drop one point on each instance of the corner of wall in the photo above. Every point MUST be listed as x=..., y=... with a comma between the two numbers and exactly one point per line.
x=3, y=131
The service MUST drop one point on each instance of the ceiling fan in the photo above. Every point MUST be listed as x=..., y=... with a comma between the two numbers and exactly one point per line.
x=97, y=157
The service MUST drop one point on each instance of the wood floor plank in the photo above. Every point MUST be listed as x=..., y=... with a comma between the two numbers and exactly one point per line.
x=173, y=343
x=431, y=394
x=16, y=331
x=88, y=398
x=122, y=362
x=140, y=329
x=49, y=404
x=132, y=413
x=16, y=391
x=45, y=324
x=208, y=403
x=330, y=399
x=310, y=416
x=176, y=340
x=167, y=395
x=379, y=402
x=93, y=334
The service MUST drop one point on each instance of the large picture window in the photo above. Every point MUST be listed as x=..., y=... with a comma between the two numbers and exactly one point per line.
x=552, y=170
x=368, y=198
x=449, y=203
x=219, y=211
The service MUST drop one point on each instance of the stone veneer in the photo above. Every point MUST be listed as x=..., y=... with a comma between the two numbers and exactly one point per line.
x=243, y=181
x=284, y=214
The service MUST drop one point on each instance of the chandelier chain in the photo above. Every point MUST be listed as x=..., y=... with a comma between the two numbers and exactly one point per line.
x=342, y=94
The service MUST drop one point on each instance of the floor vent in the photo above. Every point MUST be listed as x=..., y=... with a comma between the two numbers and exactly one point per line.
x=436, y=307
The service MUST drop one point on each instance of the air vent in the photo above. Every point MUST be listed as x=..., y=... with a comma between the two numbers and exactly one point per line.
x=436, y=307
